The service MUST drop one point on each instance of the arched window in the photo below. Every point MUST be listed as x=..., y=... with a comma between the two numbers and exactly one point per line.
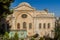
x=39, y=25
x=44, y=25
x=48, y=25
x=24, y=24
x=18, y=26
x=30, y=25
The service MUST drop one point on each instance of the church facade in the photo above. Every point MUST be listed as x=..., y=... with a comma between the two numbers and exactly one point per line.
x=27, y=21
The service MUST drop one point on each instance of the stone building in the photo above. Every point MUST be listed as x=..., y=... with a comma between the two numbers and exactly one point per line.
x=27, y=21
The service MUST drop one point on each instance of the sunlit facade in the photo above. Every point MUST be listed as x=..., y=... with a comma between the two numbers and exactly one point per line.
x=31, y=21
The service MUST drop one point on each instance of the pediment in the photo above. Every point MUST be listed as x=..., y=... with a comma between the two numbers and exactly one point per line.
x=24, y=6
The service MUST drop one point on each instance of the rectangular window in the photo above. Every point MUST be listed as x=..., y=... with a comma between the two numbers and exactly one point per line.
x=18, y=25
x=30, y=25
x=24, y=25
x=39, y=25
x=44, y=25
x=48, y=25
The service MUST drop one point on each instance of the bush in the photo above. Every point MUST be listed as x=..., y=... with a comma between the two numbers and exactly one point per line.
x=32, y=39
x=41, y=38
x=22, y=39
x=16, y=36
x=35, y=36
x=6, y=36
x=48, y=38
x=11, y=38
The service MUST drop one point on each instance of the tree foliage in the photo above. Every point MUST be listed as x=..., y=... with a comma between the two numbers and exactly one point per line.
x=4, y=12
x=57, y=30
x=5, y=7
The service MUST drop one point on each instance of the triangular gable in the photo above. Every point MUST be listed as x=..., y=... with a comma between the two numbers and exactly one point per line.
x=24, y=6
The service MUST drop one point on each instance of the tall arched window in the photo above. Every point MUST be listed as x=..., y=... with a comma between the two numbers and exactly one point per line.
x=30, y=25
x=39, y=25
x=48, y=25
x=18, y=25
x=24, y=24
x=44, y=25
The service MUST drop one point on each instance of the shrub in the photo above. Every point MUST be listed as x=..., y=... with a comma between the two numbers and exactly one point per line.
x=48, y=38
x=11, y=38
x=41, y=38
x=32, y=38
x=6, y=36
x=35, y=36
x=16, y=36
x=22, y=39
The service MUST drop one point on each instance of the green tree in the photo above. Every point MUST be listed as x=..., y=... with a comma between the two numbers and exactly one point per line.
x=57, y=30
x=5, y=7
x=4, y=12
x=16, y=36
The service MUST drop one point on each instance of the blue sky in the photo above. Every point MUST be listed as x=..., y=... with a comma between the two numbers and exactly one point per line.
x=51, y=5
